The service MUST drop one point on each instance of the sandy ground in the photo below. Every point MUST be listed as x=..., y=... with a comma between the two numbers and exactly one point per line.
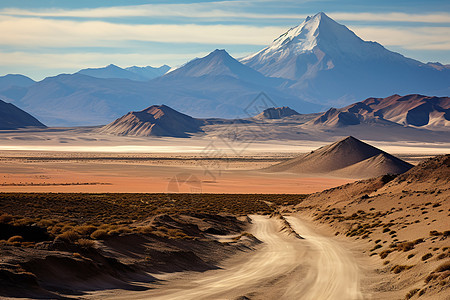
x=94, y=176
x=73, y=160
x=284, y=267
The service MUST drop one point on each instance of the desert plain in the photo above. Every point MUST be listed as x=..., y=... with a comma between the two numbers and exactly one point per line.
x=207, y=218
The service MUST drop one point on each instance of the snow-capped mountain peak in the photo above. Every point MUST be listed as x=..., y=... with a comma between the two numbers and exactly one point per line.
x=318, y=43
x=316, y=31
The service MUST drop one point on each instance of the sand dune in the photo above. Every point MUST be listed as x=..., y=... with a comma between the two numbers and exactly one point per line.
x=380, y=164
x=346, y=158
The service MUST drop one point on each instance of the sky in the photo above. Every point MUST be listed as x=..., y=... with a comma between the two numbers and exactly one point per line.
x=41, y=38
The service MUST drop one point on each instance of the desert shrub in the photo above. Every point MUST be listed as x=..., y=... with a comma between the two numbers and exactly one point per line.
x=16, y=238
x=422, y=291
x=23, y=221
x=244, y=234
x=176, y=233
x=427, y=256
x=85, y=243
x=418, y=241
x=388, y=177
x=399, y=268
x=46, y=223
x=442, y=256
x=410, y=256
x=406, y=246
x=119, y=230
x=146, y=229
x=85, y=229
x=386, y=230
x=435, y=233
x=99, y=234
x=162, y=228
x=5, y=218
x=430, y=277
x=444, y=267
x=411, y=293
x=66, y=227
x=386, y=262
x=385, y=253
x=70, y=236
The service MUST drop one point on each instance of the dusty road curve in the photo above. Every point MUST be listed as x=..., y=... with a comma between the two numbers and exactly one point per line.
x=284, y=267
x=336, y=274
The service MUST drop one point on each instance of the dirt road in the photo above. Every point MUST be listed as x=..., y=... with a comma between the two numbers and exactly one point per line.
x=284, y=267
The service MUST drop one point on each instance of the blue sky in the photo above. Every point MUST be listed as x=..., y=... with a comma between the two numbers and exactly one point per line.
x=45, y=38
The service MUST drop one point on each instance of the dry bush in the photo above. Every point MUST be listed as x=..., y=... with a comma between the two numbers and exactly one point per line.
x=383, y=254
x=399, y=268
x=146, y=229
x=69, y=236
x=427, y=256
x=46, y=223
x=435, y=233
x=85, y=229
x=86, y=244
x=23, y=221
x=442, y=255
x=119, y=230
x=377, y=246
x=244, y=234
x=411, y=293
x=14, y=239
x=442, y=268
x=5, y=218
x=406, y=246
x=66, y=227
x=176, y=233
x=99, y=234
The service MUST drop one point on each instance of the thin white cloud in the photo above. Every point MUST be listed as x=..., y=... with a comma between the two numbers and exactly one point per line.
x=392, y=17
x=32, y=32
x=75, y=61
x=212, y=10
x=219, y=11
x=36, y=32
x=421, y=38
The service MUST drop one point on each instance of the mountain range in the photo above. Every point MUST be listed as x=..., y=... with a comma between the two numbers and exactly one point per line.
x=311, y=67
x=329, y=63
x=276, y=113
x=132, y=73
x=391, y=117
x=410, y=110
